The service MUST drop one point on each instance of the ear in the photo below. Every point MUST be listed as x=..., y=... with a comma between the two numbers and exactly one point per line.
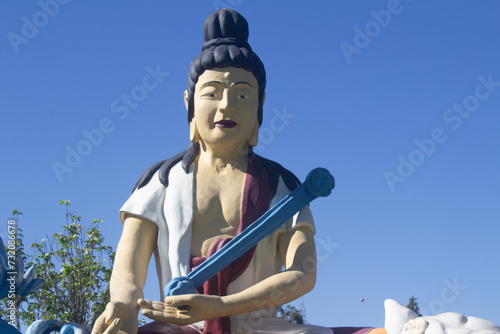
x=194, y=136
x=254, y=137
x=186, y=96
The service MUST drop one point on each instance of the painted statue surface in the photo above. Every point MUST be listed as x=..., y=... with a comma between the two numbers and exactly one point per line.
x=185, y=208
x=399, y=319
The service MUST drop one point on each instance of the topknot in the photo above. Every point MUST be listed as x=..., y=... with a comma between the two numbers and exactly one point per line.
x=225, y=23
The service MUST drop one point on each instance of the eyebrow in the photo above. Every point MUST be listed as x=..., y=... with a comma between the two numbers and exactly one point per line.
x=220, y=83
x=243, y=82
x=210, y=82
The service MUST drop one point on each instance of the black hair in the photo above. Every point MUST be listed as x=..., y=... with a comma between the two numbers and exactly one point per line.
x=226, y=45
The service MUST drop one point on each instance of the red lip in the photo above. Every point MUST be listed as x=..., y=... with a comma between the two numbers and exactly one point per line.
x=227, y=124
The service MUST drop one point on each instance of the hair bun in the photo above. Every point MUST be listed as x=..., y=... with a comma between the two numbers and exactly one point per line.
x=225, y=23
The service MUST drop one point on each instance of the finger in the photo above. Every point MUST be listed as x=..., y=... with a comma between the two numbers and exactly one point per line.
x=151, y=305
x=144, y=303
x=179, y=300
x=110, y=313
x=114, y=327
x=164, y=316
x=99, y=325
x=172, y=317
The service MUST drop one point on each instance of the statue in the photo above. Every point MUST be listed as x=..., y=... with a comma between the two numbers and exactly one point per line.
x=186, y=208
x=399, y=319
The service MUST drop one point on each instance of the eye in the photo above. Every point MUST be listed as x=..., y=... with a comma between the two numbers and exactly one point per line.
x=211, y=95
x=243, y=97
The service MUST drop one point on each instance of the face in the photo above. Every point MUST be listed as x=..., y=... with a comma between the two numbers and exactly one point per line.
x=225, y=107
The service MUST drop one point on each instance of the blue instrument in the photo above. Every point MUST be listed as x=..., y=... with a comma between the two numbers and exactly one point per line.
x=319, y=182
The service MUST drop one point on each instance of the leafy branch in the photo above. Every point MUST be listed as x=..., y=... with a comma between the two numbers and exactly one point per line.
x=76, y=266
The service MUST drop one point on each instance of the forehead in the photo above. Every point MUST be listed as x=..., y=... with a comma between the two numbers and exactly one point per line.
x=227, y=76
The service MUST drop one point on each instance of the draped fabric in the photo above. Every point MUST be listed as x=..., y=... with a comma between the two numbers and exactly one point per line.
x=256, y=199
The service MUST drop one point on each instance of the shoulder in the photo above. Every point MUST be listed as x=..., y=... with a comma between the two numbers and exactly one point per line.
x=163, y=167
x=275, y=171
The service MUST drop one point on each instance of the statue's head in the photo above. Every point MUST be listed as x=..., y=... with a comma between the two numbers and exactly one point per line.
x=226, y=45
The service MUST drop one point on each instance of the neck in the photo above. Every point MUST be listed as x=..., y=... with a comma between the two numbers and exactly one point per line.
x=224, y=158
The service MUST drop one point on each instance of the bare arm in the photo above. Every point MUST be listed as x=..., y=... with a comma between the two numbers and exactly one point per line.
x=298, y=251
x=129, y=276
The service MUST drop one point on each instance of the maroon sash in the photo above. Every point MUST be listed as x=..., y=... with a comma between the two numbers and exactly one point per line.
x=256, y=199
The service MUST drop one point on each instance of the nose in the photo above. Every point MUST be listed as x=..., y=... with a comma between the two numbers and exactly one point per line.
x=226, y=104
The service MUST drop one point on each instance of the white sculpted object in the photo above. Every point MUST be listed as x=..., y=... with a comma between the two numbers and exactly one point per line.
x=400, y=320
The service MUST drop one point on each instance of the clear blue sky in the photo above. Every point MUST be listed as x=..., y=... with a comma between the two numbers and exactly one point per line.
x=399, y=100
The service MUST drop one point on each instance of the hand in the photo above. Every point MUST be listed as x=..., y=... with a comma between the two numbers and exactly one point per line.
x=183, y=309
x=117, y=316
